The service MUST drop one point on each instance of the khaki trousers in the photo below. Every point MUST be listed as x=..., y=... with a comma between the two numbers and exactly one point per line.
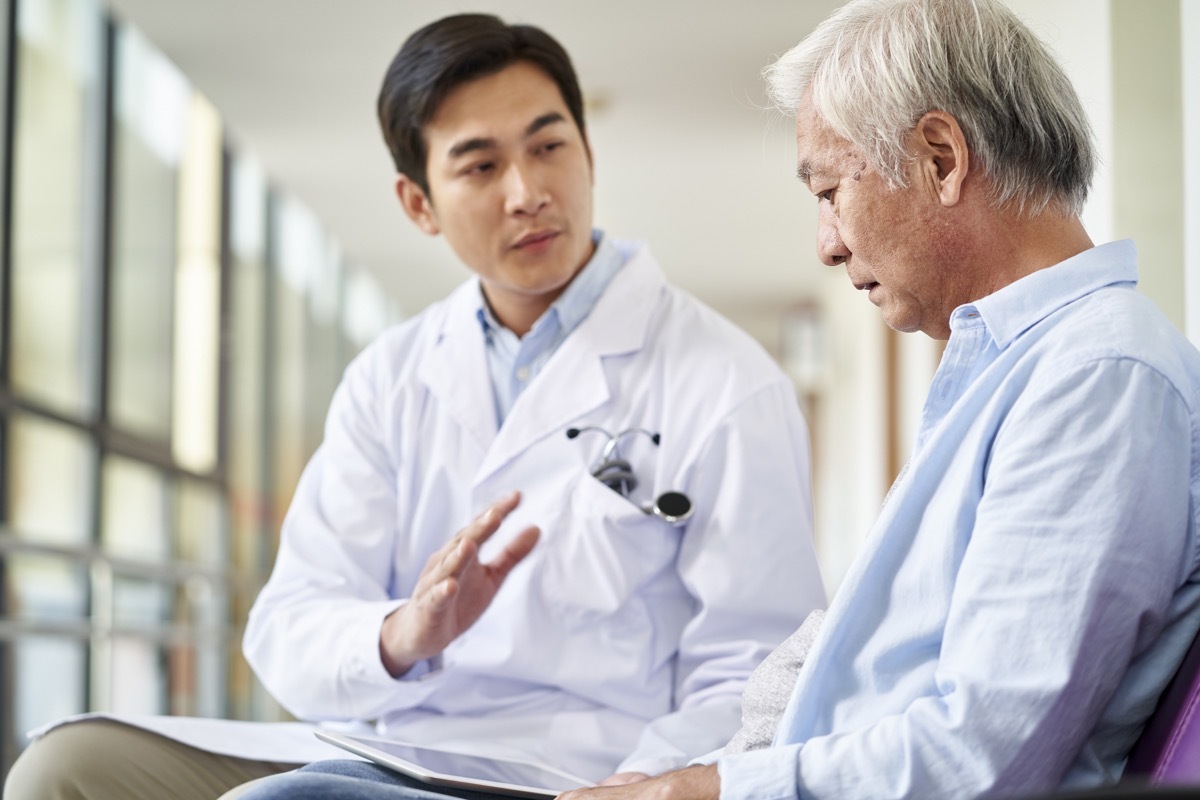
x=105, y=760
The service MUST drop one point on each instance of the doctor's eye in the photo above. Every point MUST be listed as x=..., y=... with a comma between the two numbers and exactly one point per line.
x=482, y=168
x=825, y=196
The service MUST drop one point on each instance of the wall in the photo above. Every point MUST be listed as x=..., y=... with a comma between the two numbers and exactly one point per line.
x=1190, y=35
x=1148, y=145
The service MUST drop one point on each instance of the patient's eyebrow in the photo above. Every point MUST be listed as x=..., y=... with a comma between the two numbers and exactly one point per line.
x=805, y=170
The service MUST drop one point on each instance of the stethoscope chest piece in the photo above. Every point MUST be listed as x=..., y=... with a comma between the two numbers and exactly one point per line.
x=673, y=508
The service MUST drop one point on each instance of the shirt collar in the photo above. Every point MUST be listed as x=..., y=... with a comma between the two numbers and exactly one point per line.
x=1022, y=304
x=581, y=294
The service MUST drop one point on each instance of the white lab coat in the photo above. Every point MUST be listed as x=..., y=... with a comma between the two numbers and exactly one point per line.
x=620, y=643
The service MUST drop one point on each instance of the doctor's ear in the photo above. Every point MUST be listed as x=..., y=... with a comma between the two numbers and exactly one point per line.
x=417, y=205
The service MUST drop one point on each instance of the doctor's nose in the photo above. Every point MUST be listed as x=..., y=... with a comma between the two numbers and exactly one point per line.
x=830, y=248
x=524, y=194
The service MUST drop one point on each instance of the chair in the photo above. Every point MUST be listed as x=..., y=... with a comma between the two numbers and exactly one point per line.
x=1168, y=751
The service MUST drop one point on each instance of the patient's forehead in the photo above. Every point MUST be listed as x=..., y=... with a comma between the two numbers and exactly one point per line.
x=821, y=153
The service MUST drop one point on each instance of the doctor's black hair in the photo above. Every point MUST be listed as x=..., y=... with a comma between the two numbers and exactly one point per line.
x=452, y=51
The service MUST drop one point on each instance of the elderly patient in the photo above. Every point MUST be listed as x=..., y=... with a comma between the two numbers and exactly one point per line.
x=1030, y=585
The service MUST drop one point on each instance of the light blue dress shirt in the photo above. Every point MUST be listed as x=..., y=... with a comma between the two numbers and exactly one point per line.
x=515, y=361
x=1031, y=583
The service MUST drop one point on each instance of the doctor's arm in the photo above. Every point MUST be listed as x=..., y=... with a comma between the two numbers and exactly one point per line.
x=747, y=559
x=315, y=633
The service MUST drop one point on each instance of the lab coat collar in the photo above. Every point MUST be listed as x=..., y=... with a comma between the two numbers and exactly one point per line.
x=455, y=369
x=573, y=382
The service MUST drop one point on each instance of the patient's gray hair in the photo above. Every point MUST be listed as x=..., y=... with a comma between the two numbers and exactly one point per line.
x=876, y=66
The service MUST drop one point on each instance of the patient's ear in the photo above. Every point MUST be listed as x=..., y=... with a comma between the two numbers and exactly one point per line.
x=942, y=155
x=417, y=205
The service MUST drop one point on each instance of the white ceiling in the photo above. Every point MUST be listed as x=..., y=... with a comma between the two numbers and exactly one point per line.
x=686, y=156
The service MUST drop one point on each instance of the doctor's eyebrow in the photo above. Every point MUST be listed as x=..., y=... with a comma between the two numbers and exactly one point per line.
x=542, y=122
x=460, y=149
x=471, y=145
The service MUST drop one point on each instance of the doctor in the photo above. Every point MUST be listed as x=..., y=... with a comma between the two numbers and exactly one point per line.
x=414, y=586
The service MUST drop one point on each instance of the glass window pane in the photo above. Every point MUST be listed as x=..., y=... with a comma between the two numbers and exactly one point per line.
x=247, y=368
x=243, y=685
x=210, y=680
x=198, y=292
x=54, y=202
x=135, y=513
x=247, y=697
x=198, y=669
x=140, y=604
x=323, y=370
x=5, y=5
x=297, y=242
x=182, y=670
x=200, y=524
x=148, y=139
x=364, y=312
x=44, y=588
x=49, y=481
x=50, y=676
x=139, y=677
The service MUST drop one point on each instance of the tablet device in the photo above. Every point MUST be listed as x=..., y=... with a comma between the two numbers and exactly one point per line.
x=444, y=768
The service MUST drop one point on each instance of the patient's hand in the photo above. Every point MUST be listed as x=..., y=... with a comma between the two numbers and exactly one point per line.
x=691, y=783
x=622, y=778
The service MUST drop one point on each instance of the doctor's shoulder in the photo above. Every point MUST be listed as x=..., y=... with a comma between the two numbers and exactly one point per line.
x=393, y=358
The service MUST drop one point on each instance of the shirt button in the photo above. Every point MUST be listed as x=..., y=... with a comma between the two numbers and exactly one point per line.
x=523, y=374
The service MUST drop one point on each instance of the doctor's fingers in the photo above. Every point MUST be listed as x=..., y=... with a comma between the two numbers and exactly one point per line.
x=463, y=550
x=516, y=550
x=482, y=527
x=451, y=562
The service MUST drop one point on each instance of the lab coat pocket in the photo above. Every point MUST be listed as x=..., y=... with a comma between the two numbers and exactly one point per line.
x=603, y=552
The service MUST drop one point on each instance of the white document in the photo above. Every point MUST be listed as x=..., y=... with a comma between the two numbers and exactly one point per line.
x=290, y=742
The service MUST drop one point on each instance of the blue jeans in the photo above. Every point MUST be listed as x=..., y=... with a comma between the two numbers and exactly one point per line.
x=351, y=779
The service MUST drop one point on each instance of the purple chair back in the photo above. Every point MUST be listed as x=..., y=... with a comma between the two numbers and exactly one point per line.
x=1168, y=751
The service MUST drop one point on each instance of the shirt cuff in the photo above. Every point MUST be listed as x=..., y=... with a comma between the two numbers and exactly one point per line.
x=707, y=758
x=767, y=774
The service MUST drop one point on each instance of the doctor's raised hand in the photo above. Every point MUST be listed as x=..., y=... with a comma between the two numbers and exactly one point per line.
x=453, y=591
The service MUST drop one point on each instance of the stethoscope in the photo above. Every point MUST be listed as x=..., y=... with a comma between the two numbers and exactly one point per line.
x=617, y=474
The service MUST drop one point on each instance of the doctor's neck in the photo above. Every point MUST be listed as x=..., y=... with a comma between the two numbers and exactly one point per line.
x=516, y=311
x=518, y=307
